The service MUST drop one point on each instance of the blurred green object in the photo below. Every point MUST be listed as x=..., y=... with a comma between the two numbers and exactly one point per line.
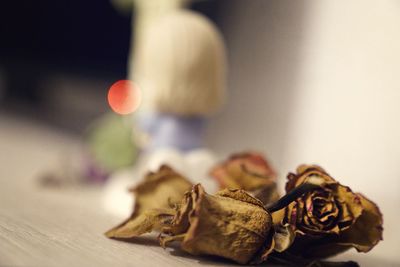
x=110, y=142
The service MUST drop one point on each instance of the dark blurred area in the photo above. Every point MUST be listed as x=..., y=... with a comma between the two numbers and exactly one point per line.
x=58, y=58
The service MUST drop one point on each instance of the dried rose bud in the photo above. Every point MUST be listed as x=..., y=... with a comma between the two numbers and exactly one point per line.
x=250, y=172
x=329, y=219
x=231, y=224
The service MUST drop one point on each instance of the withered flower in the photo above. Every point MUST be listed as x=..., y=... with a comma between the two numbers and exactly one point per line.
x=329, y=219
x=231, y=224
x=159, y=191
x=248, y=171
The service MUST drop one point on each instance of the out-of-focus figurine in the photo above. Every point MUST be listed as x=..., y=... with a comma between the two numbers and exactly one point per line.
x=180, y=67
x=179, y=64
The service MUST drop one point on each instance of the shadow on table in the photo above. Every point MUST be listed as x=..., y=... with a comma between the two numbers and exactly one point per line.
x=149, y=241
x=366, y=260
x=175, y=251
x=206, y=260
x=213, y=260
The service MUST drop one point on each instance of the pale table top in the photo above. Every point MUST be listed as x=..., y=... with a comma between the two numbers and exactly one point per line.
x=50, y=227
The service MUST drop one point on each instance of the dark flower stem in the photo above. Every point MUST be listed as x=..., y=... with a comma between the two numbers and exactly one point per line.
x=294, y=194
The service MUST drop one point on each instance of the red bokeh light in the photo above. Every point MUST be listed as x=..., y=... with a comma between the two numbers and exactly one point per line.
x=124, y=97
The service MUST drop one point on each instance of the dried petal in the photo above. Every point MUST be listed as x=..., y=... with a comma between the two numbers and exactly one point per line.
x=250, y=172
x=153, y=199
x=367, y=231
x=150, y=220
x=284, y=237
x=159, y=190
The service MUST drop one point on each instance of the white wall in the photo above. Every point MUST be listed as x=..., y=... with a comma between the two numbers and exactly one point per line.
x=318, y=82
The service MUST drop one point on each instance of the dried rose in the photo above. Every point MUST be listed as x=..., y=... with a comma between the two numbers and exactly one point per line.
x=231, y=224
x=250, y=172
x=329, y=219
x=159, y=190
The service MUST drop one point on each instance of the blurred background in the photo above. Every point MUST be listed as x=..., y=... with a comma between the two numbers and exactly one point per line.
x=58, y=59
x=308, y=82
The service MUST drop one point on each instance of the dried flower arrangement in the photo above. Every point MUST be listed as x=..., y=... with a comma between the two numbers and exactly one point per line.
x=247, y=222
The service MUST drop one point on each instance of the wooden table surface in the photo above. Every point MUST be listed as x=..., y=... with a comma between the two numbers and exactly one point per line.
x=63, y=227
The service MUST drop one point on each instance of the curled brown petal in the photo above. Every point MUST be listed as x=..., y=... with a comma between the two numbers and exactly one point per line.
x=248, y=171
x=159, y=189
x=367, y=231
